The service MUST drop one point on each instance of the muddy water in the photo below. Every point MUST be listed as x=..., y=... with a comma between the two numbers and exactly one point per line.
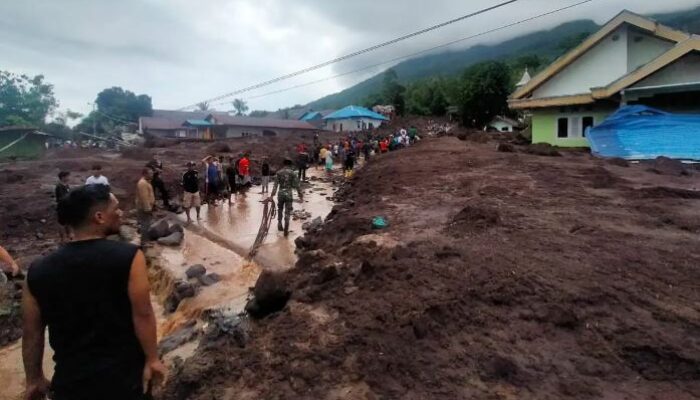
x=221, y=239
x=218, y=241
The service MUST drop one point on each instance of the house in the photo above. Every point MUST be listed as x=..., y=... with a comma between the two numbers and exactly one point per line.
x=503, y=124
x=174, y=124
x=353, y=119
x=315, y=118
x=631, y=60
x=228, y=126
x=209, y=125
x=22, y=142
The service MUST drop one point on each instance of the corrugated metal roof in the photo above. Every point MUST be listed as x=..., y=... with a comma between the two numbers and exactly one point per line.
x=199, y=122
x=310, y=115
x=351, y=112
x=225, y=119
x=161, y=123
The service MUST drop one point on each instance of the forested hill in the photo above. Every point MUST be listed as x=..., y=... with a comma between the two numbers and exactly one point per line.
x=548, y=45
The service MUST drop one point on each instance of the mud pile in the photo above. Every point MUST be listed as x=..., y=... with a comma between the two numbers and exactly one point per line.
x=501, y=275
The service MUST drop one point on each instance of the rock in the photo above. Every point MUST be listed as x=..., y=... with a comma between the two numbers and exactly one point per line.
x=195, y=271
x=506, y=148
x=43, y=221
x=209, y=279
x=270, y=295
x=184, y=290
x=228, y=325
x=175, y=228
x=159, y=229
x=174, y=239
x=462, y=136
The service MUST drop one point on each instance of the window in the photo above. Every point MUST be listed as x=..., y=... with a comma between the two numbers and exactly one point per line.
x=563, y=127
x=586, y=122
x=359, y=124
x=574, y=127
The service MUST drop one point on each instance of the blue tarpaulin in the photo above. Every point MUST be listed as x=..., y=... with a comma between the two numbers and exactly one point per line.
x=641, y=133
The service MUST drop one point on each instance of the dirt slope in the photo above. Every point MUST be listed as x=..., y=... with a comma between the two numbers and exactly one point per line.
x=502, y=276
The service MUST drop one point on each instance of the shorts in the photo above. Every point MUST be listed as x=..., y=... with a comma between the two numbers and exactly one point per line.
x=265, y=180
x=191, y=200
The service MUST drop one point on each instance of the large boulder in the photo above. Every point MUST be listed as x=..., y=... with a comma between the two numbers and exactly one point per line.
x=195, y=271
x=270, y=295
x=174, y=239
x=668, y=166
x=209, y=279
x=181, y=290
x=159, y=229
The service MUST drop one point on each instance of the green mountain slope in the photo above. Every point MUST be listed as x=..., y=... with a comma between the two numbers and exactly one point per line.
x=548, y=44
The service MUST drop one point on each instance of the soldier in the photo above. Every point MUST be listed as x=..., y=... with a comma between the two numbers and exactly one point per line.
x=286, y=180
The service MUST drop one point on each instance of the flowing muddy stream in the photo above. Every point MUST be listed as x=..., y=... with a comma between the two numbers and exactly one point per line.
x=219, y=242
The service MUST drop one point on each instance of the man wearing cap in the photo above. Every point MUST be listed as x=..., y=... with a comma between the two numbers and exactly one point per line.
x=285, y=180
x=190, y=185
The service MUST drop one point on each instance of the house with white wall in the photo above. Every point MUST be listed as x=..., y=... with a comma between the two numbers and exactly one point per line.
x=630, y=60
x=353, y=119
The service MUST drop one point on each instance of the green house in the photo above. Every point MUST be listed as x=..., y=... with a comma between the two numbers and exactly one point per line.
x=21, y=142
x=630, y=60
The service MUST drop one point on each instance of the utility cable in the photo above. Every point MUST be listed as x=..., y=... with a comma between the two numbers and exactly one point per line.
x=416, y=53
x=354, y=54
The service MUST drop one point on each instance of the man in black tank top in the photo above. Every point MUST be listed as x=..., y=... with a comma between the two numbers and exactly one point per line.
x=93, y=295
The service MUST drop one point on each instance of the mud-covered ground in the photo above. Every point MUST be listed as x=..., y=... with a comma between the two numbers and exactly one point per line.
x=28, y=226
x=501, y=276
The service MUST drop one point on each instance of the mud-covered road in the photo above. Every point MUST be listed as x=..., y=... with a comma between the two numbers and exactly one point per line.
x=501, y=276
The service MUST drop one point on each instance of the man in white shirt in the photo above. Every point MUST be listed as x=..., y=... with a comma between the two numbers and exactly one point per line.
x=97, y=178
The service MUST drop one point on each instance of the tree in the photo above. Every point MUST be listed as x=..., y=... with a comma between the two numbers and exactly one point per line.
x=203, y=106
x=123, y=105
x=393, y=92
x=484, y=93
x=240, y=106
x=25, y=100
x=59, y=126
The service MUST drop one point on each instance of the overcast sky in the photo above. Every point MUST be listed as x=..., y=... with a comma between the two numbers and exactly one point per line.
x=183, y=51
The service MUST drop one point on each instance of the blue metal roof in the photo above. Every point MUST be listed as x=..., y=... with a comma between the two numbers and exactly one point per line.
x=309, y=116
x=351, y=112
x=639, y=132
x=199, y=122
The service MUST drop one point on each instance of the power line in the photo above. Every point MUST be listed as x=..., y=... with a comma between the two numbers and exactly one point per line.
x=354, y=54
x=416, y=53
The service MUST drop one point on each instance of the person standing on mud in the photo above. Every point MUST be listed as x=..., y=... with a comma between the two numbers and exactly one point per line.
x=265, y=180
x=244, y=170
x=211, y=180
x=7, y=263
x=94, y=296
x=286, y=181
x=190, y=185
x=97, y=178
x=231, y=178
x=145, y=203
x=156, y=166
x=61, y=191
x=302, y=164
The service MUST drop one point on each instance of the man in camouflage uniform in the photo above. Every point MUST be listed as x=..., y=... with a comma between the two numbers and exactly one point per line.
x=285, y=180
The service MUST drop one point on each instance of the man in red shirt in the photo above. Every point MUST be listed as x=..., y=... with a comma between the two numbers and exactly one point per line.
x=244, y=168
x=384, y=146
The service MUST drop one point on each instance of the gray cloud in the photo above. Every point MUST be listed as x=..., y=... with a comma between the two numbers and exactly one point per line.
x=181, y=52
